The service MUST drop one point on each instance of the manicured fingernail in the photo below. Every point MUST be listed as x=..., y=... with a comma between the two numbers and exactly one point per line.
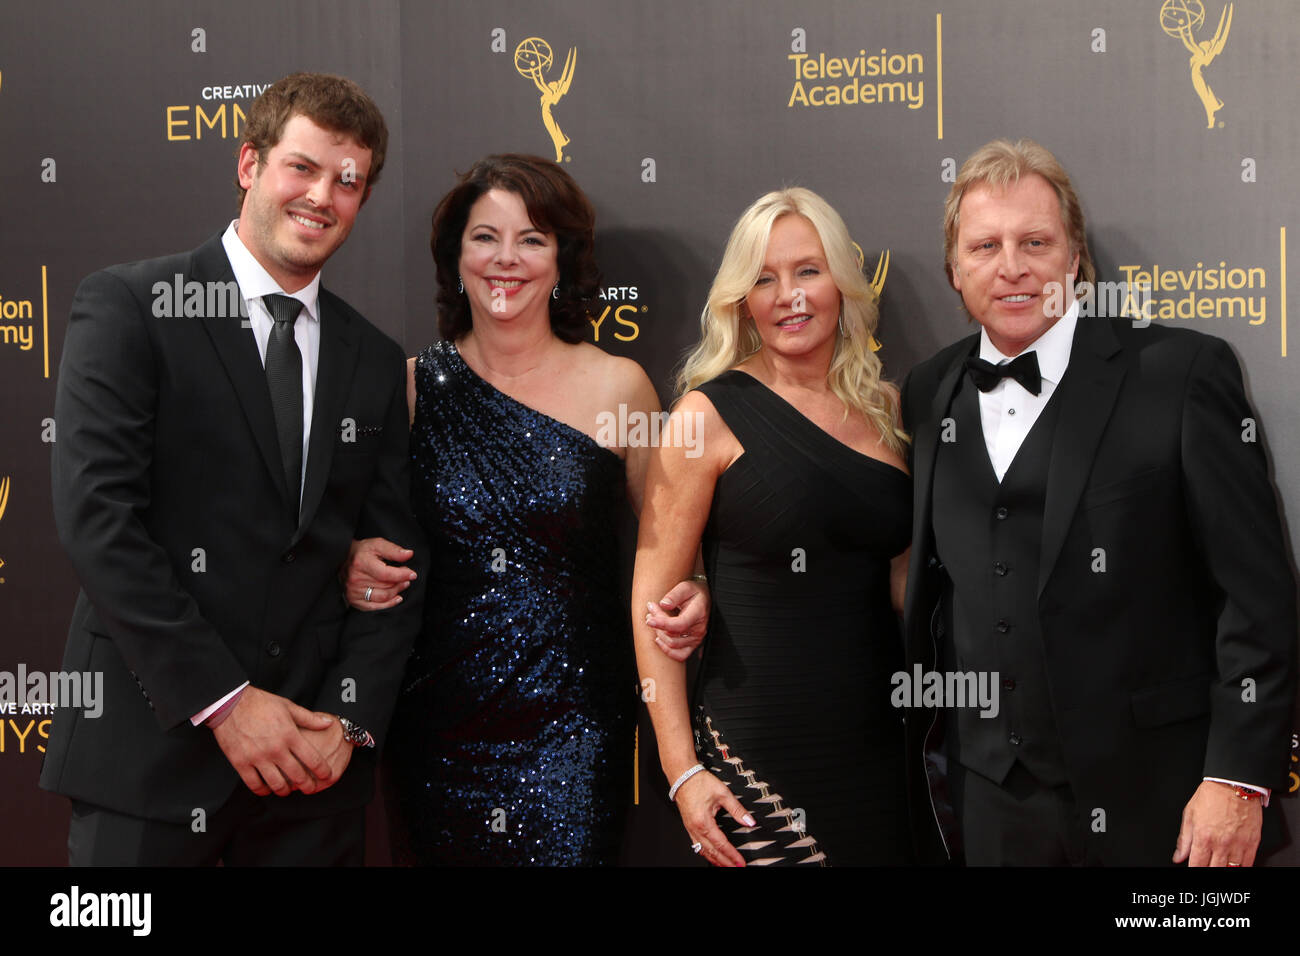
x=749, y=820
x=650, y=607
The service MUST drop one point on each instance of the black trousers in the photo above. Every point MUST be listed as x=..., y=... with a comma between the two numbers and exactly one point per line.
x=247, y=830
x=1019, y=822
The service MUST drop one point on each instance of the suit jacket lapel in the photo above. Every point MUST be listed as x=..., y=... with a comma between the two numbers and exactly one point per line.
x=1090, y=388
x=237, y=348
x=927, y=440
x=925, y=446
x=334, y=369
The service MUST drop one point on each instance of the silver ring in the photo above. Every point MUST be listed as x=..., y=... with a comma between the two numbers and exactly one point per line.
x=369, y=591
x=696, y=847
x=1234, y=864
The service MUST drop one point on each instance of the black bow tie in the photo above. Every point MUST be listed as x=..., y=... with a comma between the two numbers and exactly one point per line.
x=1023, y=368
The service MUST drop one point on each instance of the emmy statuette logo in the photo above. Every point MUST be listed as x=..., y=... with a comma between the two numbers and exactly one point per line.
x=4, y=501
x=1181, y=19
x=533, y=58
x=877, y=280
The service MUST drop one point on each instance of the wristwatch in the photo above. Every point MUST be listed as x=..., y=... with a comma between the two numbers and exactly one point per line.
x=355, y=734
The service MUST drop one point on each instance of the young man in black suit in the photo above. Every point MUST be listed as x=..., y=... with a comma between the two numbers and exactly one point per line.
x=1093, y=522
x=211, y=469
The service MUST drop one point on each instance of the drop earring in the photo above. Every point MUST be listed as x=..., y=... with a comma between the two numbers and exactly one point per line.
x=555, y=293
x=460, y=284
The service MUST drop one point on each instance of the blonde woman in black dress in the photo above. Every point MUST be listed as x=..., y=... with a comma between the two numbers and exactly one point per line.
x=802, y=503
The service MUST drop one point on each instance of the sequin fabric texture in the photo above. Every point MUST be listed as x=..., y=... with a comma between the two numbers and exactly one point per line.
x=512, y=743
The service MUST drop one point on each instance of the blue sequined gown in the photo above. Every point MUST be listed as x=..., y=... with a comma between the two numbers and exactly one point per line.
x=512, y=742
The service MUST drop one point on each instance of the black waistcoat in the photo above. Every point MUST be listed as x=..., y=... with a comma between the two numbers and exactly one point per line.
x=988, y=536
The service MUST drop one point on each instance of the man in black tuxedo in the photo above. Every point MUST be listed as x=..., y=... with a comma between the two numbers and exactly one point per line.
x=210, y=472
x=1094, y=523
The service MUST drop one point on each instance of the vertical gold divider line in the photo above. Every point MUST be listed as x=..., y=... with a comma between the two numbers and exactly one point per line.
x=938, y=74
x=45, y=318
x=1282, y=272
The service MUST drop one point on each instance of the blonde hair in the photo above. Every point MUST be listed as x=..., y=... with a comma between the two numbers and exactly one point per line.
x=1001, y=163
x=728, y=336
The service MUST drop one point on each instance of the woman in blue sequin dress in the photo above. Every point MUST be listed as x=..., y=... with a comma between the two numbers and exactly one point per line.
x=512, y=741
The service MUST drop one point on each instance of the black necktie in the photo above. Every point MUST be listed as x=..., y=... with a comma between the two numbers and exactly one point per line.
x=1023, y=368
x=284, y=379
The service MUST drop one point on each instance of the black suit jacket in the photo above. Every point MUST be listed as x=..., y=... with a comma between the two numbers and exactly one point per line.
x=1176, y=661
x=198, y=571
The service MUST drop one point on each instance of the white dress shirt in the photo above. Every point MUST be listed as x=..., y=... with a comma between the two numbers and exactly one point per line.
x=1009, y=410
x=255, y=282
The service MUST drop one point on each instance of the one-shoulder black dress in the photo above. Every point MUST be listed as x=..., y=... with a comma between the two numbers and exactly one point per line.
x=792, y=706
x=512, y=742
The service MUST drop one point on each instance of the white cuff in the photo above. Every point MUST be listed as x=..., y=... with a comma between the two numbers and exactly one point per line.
x=198, y=719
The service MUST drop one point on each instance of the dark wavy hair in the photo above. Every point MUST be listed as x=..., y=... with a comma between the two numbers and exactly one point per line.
x=555, y=204
x=331, y=102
